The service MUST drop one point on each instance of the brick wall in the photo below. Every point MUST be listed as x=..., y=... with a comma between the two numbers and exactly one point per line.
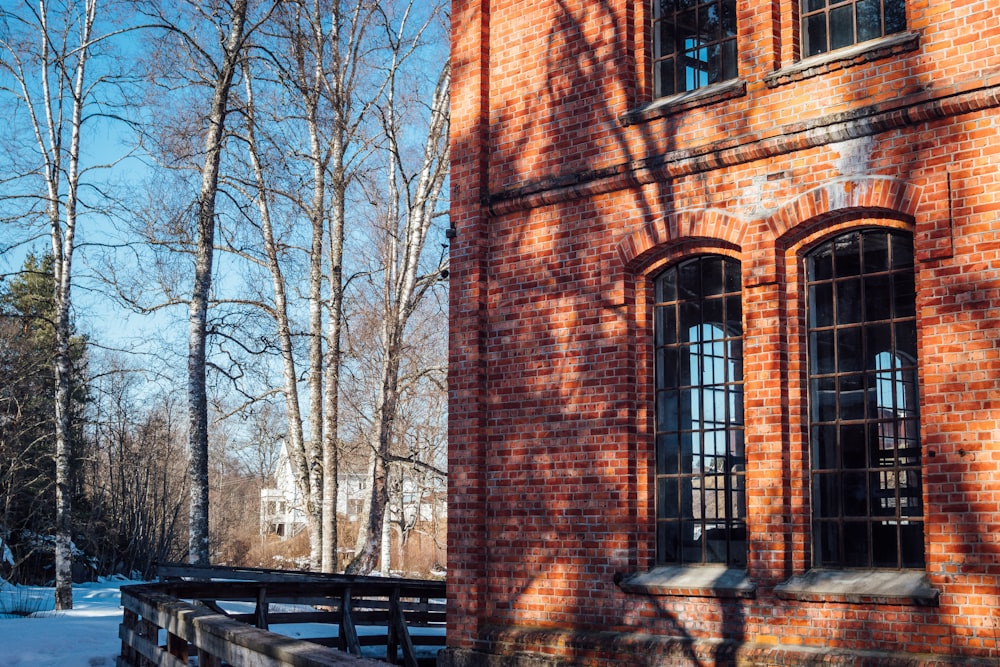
x=569, y=193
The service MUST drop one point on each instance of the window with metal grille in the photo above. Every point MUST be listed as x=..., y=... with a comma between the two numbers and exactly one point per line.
x=863, y=415
x=694, y=44
x=833, y=24
x=700, y=460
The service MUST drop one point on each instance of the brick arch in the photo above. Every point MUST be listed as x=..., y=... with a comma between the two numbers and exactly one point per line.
x=711, y=224
x=871, y=194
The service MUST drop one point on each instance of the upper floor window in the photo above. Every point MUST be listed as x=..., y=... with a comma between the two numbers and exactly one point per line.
x=694, y=44
x=863, y=413
x=700, y=460
x=834, y=24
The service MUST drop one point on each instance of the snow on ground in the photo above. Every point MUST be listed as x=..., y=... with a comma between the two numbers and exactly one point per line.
x=86, y=636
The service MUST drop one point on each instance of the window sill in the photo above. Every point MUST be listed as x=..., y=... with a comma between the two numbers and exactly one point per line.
x=667, y=106
x=888, y=587
x=842, y=58
x=713, y=581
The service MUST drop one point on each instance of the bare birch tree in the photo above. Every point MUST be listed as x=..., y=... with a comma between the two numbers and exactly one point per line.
x=411, y=200
x=216, y=71
x=325, y=70
x=45, y=73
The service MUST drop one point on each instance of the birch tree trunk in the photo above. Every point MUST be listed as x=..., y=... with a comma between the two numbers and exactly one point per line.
x=198, y=545
x=54, y=97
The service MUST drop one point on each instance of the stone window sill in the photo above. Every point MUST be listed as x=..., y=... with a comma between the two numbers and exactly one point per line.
x=715, y=581
x=888, y=587
x=846, y=57
x=667, y=106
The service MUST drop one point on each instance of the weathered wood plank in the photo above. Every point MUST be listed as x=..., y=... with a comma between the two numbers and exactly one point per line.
x=144, y=649
x=221, y=637
x=348, y=633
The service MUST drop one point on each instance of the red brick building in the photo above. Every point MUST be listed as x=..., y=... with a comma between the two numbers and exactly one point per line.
x=725, y=328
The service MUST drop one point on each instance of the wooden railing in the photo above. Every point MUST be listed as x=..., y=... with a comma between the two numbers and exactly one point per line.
x=239, y=621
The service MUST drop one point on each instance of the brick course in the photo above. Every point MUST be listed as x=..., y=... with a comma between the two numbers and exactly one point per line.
x=570, y=192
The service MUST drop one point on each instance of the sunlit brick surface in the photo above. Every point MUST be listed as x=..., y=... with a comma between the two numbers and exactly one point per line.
x=570, y=194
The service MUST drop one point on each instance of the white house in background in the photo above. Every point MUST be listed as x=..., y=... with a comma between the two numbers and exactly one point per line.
x=282, y=509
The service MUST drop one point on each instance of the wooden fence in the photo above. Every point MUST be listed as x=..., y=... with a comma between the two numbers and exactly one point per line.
x=238, y=621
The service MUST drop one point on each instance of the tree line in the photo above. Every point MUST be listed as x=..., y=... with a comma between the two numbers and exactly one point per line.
x=268, y=175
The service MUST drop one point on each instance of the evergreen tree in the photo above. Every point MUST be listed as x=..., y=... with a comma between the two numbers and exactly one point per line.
x=27, y=416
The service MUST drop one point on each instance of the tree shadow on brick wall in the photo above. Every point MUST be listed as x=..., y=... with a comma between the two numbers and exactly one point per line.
x=561, y=426
x=563, y=517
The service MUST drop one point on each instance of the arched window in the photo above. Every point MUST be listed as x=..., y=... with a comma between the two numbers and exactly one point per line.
x=700, y=461
x=863, y=413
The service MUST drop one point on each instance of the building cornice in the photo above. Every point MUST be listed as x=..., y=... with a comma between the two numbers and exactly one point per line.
x=968, y=96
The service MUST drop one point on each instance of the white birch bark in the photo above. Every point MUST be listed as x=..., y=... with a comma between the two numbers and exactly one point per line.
x=62, y=81
x=198, y=545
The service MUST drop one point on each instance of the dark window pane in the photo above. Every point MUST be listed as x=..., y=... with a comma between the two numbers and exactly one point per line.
x=729, y=68
x=852, y=397
x=841, y=27
x=848, y=301
x=906, y=341
x=690, y=409
x=895, y=19
x=711, y=22
x=902, y=251
x=911, y=544
x=688, y=280
x=878, y=297
x=904, y=295
x=665, y=77
x=854, y=445
x=822, y=359
x=813, y=5
x=729, y=19
x=667, y=453
x=666, y=325
x=667, y=368
x=712, y=313
x=666, y=286
x=667, y=497
x=869, y=15
x=885, y=544
x=667, y=542
x=711, y=276
x=821, y=305
x=815, y=32
x=824, y=446
x=855, y=494
x=666, y=410
x=847, y=261
x=850, y=358
x=690, y=321
x=691, y=542
x=823, y=399
x=856, y=544
x=665, y=35
x=826, y=538
x=876, y=252
x=826, y=495
x=821, y=263
x=878, y=346
x=734, y=315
